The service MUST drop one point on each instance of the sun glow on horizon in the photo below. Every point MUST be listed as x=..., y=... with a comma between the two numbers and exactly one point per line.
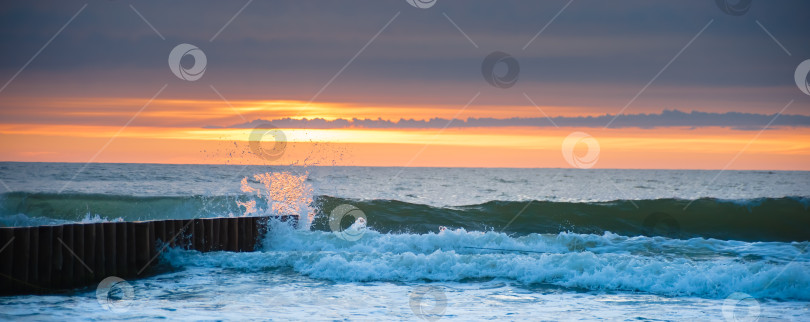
x=180, y=130
x=704, y=148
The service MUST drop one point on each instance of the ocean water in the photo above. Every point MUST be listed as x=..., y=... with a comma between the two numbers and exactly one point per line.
x=440, y=243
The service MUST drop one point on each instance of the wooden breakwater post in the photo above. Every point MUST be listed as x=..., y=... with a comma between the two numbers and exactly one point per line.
x=45, y=259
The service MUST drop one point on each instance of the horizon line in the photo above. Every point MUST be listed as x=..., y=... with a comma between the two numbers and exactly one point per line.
x=413, y=167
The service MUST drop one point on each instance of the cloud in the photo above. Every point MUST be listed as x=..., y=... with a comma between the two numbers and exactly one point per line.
x=595, y=53
x=589, y=42
x=667, y=118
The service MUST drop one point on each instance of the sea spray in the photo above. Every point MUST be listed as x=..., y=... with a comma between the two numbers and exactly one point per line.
x=280, y=193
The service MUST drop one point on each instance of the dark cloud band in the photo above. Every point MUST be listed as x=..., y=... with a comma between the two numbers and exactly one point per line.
x=667, y=118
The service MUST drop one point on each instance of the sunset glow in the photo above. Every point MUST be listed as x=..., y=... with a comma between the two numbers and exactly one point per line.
x=122, y=103
x=157, y=136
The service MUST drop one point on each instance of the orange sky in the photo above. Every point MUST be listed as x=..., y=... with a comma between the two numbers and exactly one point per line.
x=76, y=82
x=170, y=131
x=173, y=112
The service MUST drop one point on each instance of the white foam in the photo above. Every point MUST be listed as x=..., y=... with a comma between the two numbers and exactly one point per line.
x=22, y=220
x=697, y=267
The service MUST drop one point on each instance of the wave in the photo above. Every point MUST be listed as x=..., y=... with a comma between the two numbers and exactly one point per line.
x=762, y=219
x=609, y=262
x=652, y=246
x=75, y=207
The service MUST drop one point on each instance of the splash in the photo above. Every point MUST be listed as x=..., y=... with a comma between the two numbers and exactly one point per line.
x=91, y=218
x=280, y=193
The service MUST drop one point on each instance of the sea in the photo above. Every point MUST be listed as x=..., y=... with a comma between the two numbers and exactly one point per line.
x=389, y=243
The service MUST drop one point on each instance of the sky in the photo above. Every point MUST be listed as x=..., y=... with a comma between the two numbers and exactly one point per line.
x=563, y=83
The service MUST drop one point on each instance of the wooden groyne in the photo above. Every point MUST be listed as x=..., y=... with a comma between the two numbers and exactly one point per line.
x=47, y=259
